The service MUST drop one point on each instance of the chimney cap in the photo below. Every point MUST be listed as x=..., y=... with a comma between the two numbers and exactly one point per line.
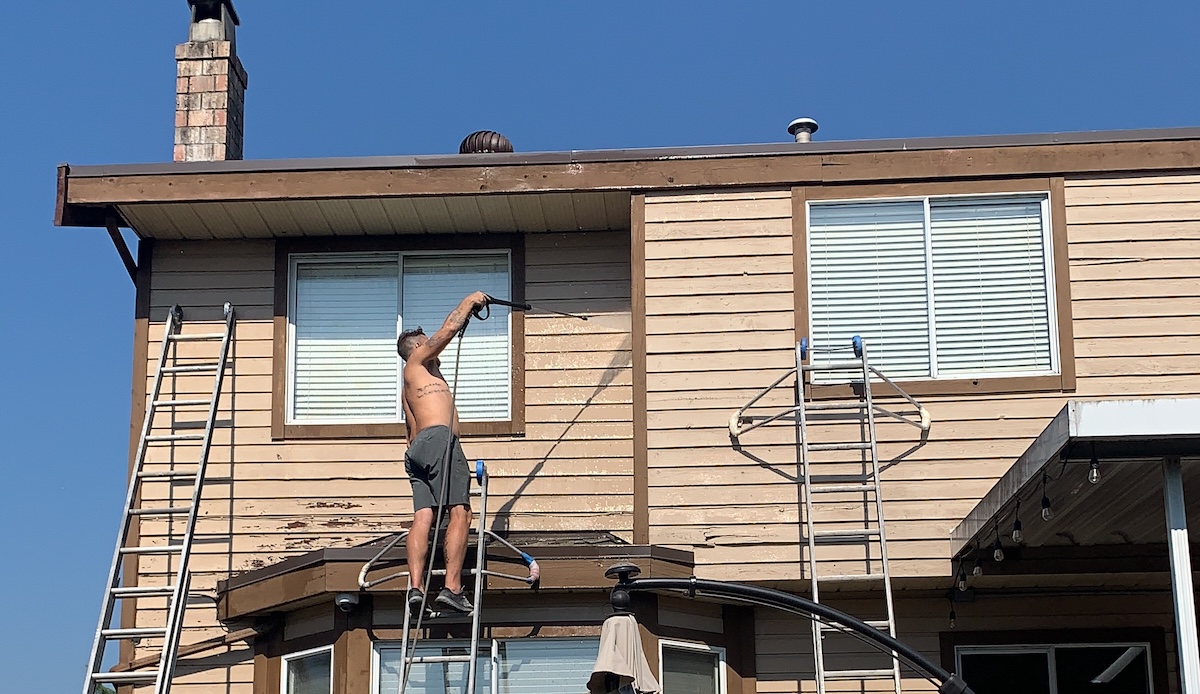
x=212, y=8
x=485, y=142
x=802, y=125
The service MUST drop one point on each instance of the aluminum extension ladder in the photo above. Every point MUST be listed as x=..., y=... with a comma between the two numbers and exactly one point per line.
x=483, y=534
x=169, y=365
x=870, y=531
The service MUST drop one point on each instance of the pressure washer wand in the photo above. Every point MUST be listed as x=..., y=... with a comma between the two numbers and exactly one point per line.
x=530, y=307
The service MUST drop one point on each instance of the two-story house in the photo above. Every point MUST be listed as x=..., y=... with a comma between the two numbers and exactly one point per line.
x=1036, y=294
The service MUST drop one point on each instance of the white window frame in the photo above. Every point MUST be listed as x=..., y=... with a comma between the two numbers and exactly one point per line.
x=488, y=648
x=722, y=687
x=335, y=258
x=1048, y=260
x=1048, y=649
x=283, y=665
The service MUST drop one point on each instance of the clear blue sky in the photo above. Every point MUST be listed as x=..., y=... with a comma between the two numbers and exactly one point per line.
x=93, y=83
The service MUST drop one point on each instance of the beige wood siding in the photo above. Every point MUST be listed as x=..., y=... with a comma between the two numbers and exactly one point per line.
x=719, y=326
x=784, y=649
x=266, y=500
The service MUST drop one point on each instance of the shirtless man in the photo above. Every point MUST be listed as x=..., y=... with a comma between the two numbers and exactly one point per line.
x=432, y=423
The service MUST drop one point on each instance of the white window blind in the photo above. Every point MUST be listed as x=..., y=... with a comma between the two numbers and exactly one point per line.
x=344, y=353
x=433, y=678
x=868, y=277
x=525, y=666
x=938, y=287
x=989, y=286
x=433, y=285
x=346, y=313
x=546, y=666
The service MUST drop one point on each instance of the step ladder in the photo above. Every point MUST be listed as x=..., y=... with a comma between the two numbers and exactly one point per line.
x=478, y=573
x=170, y=365
x=869, y=531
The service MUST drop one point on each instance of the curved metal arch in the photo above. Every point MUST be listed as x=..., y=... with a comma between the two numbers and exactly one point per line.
x=947, y=682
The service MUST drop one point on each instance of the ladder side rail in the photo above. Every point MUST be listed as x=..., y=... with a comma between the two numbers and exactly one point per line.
x=879, y=517
x=405, y=665
x=480, y=558
x=179, y=598
x=114, y=575
x=809, y=523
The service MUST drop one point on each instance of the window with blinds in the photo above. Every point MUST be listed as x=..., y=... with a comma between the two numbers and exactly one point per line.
x=524, y=666
x=691, y=669
x=938, y=287
x=346, y=311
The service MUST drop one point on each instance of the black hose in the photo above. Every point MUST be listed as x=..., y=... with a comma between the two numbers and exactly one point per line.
x=948, y=683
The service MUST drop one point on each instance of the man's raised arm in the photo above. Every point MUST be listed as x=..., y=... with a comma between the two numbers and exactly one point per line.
x=454, y=323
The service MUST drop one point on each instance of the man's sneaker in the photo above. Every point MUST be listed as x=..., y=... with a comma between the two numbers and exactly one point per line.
x=415, y=598
x=455, y=601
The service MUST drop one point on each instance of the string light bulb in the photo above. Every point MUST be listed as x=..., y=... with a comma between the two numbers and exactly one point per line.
x=1094, y=469
x=1047, y=511
x=953, y=616
x=998, y=547
x=962, y=576
x=1018, y=536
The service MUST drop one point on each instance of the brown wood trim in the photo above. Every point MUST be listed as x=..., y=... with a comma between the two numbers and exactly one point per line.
x=60, y=195
x=284, y=248
x=247, y=634
x=1155, y=636
x=118, y=241
x=899, y=190
x=641, y=455
x=137, y=413
x=741, y=657
x=666, y=173
x=800, y=260
x=1054, y=187
x=1060, y=241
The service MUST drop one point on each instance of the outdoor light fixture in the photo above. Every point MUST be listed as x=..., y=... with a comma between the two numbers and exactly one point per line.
x=1094, y=471
x=978, y=570
x=953, y=616
x=962, y=577
x=1018, y=536
x=1047, y=512
x=998, y=552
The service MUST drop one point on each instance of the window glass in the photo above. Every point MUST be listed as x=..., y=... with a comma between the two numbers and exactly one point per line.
x=690, y=671
x=309, y=674
x=434, y=678
x=546, y=666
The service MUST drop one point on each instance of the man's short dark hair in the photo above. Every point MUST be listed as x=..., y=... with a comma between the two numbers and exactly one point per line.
x=407, y=342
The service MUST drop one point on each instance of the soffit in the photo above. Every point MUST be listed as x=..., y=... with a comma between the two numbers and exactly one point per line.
x=581, y=211
x=1129, y=438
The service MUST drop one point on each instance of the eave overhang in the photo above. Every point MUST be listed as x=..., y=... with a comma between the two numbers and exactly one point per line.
x=90, y=195
x=318, y=575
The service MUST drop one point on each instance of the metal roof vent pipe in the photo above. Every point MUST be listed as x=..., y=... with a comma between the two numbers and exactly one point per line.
x=802, y=129
x=485, y=142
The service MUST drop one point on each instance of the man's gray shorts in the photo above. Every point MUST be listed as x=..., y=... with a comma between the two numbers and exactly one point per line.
x=424, y=461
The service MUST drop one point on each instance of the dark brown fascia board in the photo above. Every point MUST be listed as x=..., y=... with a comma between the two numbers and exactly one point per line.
x=629, y=170
x=304, y=580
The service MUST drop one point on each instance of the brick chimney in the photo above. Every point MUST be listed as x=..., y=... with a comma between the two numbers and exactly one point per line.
x=211, y=86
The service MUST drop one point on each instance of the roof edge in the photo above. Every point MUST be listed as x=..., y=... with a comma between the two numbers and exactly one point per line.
x=638, y=154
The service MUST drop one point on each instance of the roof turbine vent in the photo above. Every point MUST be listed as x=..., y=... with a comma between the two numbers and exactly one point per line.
x=485, y=142
x=802, y=129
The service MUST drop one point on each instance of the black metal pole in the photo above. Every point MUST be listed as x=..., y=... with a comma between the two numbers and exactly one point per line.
x=948, y=683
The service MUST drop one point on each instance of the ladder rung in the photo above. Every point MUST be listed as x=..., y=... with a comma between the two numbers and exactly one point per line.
x=439, y=659
x=837, y=578
x=176, y=437
x=835, y=488
x=834, y=366
x=190, y=368
x=197, y=337
x=139, y=676
x=164, y=511
x=169, y=474
x=880, y=674
x=864, y=446
x=142, y=591
x=846, y=533
x=881, y=624
x=181, y=403
x=134, y=633
x=158, y=549
x=851, y=405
